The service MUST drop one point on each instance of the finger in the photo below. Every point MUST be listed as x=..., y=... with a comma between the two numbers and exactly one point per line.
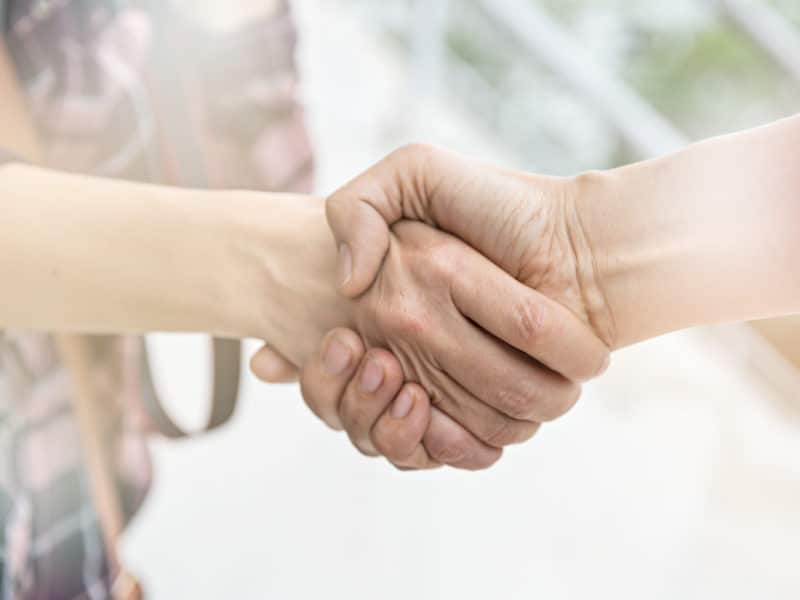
x=362, y=235
x=361, y=213
x=419, y=461
x=528, y=320
x=449, y=443
x=325, y=377
x=503, y=380
x=270, y=366
x=376, y=383
x=399, y=431
x=483, y=421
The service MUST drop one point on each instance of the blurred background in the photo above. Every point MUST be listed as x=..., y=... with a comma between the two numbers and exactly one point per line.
x=677, y=475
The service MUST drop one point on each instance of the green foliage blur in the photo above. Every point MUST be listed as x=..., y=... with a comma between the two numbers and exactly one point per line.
x=684, y=58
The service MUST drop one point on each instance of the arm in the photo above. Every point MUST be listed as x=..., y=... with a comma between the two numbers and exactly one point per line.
x=94, y=255
x=707, y=235
x=88, y=254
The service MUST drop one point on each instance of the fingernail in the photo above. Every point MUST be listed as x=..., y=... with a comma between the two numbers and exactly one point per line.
x=345, y=263
x=336, y=357
x=402, y=405
x=371, y=377
x=606, y=364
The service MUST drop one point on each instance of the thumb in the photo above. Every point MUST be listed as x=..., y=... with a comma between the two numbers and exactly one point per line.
x=361, y=233
x=361, y=213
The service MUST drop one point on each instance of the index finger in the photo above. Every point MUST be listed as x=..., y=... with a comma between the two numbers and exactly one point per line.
x=528, y=320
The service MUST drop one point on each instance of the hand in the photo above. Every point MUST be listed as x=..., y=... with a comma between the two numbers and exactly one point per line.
x=528, y=225
x=634, y=252
x=492, y=306
x=524, y=223
x=339, y=395
x=423, y=311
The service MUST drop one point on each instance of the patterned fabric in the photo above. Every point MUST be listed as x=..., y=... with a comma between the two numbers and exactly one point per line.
x=138, y=91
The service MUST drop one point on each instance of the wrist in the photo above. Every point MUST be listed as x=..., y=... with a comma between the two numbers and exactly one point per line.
x=285, y=272
x=646, y=249
x=706, y=235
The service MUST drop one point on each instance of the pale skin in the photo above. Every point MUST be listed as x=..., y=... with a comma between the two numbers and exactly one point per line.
x=706, y=235
x=589, y=264
x=98, y=256
x=233, y=264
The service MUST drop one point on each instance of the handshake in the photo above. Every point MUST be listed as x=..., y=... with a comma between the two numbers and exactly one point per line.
x=474, y=313
x=448, y=308
x=435, y=308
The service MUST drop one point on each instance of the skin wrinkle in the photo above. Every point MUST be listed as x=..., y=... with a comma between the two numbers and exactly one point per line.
x=555, y=249
x=570, y=237
x=378, y=191
x=395, y=304
x=540, y=261
x=608, y=333
x=412, y=185
x=409, y=345
x=458, y=410
x=445, y=267
x=546, y=256
x=513, y=228
x=454, y=191
x=550, y=264
x=433, y=188
x=419, y=196
x=442, y=405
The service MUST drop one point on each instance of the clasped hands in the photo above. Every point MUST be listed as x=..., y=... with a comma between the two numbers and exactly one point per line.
x=462, y=309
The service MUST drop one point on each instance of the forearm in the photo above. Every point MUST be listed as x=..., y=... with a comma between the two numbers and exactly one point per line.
x=710, y=234
x=93, y=255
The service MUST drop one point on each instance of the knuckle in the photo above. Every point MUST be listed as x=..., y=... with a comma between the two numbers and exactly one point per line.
x=448, y=451
x=413, y=322
x=443, y=261
x=406, y=319
x=437, y=398
x=530, y=319
x=516, y=404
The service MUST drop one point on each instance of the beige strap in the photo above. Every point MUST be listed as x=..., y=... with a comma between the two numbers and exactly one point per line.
x=105, y=495
x=225, y=390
